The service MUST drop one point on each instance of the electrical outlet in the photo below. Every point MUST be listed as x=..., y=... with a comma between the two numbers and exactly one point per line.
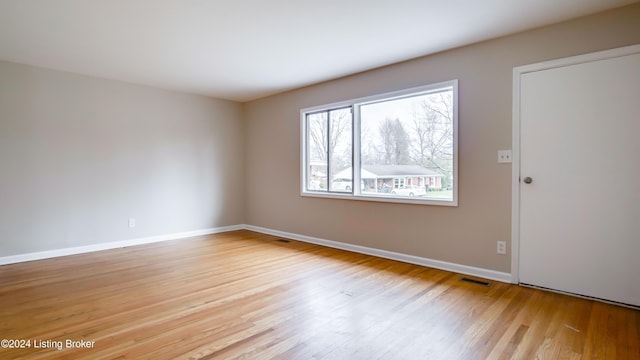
x=502, y=248
x=132, y=222
x=504, y=156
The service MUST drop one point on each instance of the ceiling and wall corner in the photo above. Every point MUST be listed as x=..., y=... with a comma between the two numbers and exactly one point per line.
x=244, y=50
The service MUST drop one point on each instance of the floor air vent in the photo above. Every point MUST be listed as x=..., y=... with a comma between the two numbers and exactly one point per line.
x=283, y=240
x=473, y=281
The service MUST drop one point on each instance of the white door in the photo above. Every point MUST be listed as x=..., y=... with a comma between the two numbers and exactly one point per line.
x=579, y=219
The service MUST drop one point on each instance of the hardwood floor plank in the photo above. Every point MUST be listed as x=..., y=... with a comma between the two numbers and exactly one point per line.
x=245, y=295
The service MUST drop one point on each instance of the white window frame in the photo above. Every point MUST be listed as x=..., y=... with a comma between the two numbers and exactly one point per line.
x=356, y=165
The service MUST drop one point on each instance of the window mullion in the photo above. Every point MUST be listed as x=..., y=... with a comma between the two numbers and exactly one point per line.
x=329, y=169
x=355, y=151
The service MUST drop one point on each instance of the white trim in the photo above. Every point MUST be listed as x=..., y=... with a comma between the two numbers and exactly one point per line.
x=578, y=59
x=515, y=165
x=515, y=180
x=303, y=152
x=384, y=96
x=411, y=259
x=419, y=200
x=630, y=306
x=12, y=259
x=356, y=149
x=456, y=121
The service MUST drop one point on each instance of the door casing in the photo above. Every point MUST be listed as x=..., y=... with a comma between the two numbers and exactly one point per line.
x=515, y=169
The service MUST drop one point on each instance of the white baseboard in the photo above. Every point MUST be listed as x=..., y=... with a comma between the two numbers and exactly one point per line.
x=443, y=265
x=113, y=245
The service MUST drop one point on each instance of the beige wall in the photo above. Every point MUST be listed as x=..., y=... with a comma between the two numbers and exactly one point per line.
x=80, y=155
x=466, y=234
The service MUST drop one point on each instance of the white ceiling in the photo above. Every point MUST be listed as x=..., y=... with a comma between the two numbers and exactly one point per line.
x=246, y=49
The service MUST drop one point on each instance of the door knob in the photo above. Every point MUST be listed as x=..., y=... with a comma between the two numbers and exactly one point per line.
x=528, y=180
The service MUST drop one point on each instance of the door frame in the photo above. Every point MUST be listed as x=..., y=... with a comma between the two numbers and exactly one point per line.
x=515, y=166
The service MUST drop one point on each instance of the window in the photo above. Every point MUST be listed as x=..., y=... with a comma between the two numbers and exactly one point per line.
x=399, y=147
x=329, y=135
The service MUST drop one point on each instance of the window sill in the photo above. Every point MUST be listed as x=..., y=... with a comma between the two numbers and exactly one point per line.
x=420, y=200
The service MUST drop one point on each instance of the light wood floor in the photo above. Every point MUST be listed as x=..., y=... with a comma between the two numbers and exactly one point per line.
x=247, y=295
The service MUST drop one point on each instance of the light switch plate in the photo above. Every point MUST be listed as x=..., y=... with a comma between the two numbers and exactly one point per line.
x=504, y=156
